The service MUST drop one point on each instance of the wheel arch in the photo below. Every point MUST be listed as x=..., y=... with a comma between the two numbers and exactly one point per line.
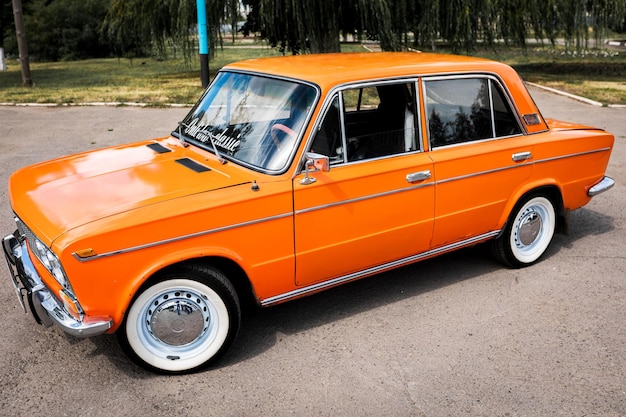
x=231, y=269
x=234, y=272
x=550, y=191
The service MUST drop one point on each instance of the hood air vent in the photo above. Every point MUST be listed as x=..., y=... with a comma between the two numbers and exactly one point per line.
x=158, y=148
x=193, y=165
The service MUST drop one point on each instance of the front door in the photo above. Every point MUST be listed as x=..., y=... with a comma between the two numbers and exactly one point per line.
x=375, y=206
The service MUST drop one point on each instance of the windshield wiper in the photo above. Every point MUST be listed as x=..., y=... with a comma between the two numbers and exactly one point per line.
x=219, y=155
x=209, y=134
x=181, y=137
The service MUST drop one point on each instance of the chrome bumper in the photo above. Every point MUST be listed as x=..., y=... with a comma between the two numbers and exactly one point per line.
x=43, y=305
x=603, y=185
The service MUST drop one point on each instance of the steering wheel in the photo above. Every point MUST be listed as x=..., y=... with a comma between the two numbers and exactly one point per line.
x=282, y=128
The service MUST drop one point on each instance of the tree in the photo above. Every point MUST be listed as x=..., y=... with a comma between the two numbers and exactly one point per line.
x=137, y=27
x=67, y=29
x=21, y=43
x=464, y=24
x=233, y=15
x=314, y=26
x=303, y=26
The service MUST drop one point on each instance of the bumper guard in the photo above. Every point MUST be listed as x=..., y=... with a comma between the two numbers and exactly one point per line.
x=603, y=185
x=43, y=305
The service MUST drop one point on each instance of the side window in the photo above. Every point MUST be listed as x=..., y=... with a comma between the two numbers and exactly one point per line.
x=505, y=122
x=465, y=110
x=379, y=120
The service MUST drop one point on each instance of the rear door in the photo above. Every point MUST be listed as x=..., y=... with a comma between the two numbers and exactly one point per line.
x=479, y=152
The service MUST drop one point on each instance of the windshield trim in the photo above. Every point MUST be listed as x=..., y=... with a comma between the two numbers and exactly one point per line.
x=187, y=140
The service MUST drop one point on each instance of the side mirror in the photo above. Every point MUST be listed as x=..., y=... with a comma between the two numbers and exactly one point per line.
x=315, y=162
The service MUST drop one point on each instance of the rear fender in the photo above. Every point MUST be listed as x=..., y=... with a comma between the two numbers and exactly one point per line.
x=547, y=186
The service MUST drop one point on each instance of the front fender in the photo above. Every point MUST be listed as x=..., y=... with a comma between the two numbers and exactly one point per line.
x=154, y=265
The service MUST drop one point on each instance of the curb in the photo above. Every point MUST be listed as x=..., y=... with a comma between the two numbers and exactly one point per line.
x=94, y=104
x=133, y=104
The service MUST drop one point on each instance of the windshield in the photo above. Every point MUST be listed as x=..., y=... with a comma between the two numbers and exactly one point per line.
x=251, y=119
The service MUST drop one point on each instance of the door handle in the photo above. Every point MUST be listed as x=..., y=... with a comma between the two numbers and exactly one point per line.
x=522, y=156
x=418, y=176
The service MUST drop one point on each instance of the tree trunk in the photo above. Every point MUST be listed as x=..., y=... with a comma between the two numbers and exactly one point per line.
x=21, y=42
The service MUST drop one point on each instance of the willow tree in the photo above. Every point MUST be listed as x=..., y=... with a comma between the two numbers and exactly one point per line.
x=315, y=26
x=300, y=25
x=426, y=23
x=465, y=24
x=544, y=16
x=512, y=18
x=573, y=19
x=138, y=27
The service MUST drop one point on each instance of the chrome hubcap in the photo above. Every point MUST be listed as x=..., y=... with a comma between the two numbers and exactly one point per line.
x=178, y=318
x=529, y=227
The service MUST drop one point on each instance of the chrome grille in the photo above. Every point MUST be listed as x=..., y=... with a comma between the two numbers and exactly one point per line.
x=30, y=237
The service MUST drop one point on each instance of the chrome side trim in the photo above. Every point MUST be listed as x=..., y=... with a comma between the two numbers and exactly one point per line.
x=366, y=197
x=476, y=174
x=178, y=238
x=556, y=158
x=490, y=171
x=375, y=270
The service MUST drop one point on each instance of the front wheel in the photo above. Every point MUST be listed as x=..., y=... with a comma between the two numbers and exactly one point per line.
x=182, y=322
x=528, y=233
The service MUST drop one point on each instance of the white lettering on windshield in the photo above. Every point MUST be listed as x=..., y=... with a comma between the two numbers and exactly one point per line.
x=221, y=140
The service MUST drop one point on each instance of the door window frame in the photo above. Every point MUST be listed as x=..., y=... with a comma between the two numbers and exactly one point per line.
x=413, y=82
x=491, y=79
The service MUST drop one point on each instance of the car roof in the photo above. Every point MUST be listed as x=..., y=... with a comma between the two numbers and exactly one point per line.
x=336, y=69
x=327, y=70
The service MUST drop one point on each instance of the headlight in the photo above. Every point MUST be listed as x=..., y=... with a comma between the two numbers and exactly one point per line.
x=51, y=262
x=45, y=255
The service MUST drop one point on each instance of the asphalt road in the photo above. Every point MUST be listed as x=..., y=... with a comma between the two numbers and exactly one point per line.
x=455, y=336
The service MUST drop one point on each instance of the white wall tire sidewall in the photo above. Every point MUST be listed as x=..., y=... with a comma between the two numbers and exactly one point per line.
x=532, y=253
x=188, y=360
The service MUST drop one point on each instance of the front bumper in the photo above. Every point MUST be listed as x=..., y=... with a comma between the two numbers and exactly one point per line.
x=46, y=309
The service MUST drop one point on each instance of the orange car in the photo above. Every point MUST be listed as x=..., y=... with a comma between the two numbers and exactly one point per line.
x=292, y=175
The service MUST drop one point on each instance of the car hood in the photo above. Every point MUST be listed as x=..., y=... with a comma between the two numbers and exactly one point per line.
x=65, y=193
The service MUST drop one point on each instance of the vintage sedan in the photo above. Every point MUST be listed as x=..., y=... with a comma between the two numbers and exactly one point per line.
x=292, y=175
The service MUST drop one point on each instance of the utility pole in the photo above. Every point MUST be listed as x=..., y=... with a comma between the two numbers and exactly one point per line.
x=21, y=43
x=203, y=43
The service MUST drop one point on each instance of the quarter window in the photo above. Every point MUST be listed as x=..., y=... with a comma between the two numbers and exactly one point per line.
x=467, y=109
x=328, y=137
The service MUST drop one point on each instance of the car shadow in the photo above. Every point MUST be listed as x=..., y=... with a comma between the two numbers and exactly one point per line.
x=263, y=328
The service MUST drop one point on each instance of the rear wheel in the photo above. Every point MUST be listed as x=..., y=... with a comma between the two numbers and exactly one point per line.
x=182, y=322
x=528, y=233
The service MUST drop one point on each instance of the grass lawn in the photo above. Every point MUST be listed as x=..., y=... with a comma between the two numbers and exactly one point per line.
x=148, y=80
x=597, y=75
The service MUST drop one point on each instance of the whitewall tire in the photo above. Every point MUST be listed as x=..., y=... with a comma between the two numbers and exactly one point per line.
x=528, y=232
x=181, y=322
